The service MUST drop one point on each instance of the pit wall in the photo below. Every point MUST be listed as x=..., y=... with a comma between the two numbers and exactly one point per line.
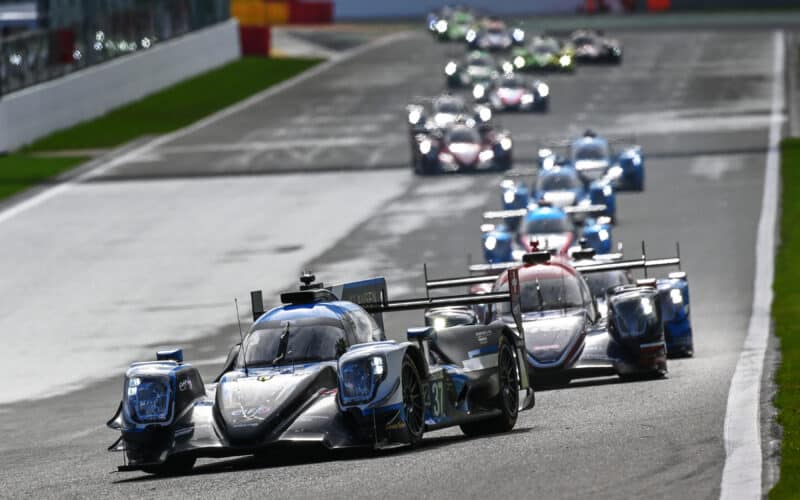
x=36, y=111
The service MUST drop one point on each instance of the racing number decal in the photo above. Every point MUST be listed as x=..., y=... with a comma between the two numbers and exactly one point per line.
x=437, y=398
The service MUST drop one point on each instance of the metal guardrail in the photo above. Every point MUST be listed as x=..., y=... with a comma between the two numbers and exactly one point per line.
x=97, y=31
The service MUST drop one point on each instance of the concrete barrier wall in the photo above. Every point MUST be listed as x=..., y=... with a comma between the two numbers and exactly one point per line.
x=362, y=9
x=36, y=111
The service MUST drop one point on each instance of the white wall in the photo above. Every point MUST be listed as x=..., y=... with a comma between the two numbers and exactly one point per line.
x=36, y=111
x=355, y=9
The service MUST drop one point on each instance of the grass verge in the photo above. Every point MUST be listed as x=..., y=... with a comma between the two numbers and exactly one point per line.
x=786, y=314
x=164, y=111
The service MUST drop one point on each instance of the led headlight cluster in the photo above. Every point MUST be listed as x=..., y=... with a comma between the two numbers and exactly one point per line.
x=359, y=379
x=149, y=398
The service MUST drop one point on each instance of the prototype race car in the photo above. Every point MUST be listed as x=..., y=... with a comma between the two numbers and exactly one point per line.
x=452, y=26
x=592, y=47
x=543, y=226
x=566, y=336
x=428, y=115
x=543, y=54
x=319, y=370
x=464, y=147
x=595, y=160
x=494, y=35
x=477, y=67
x=513, y=93
x=673, y=292
x=560, y=186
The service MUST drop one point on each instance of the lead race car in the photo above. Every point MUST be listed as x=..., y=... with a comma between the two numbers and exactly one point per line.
x=566, y=336
x=319, y=370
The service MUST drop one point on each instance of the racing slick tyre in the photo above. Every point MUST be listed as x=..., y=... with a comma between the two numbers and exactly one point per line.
x=173, y=466
x=413, y=401
x=507, y=399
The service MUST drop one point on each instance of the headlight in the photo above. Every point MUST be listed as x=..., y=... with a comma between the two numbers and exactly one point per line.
x=446, y=158
x=441, y=26
x=676, y=296
x=508, y=67
x=485, y=156
x=359, y=379
x=505, y=143
x=607, y=191
x=565, y=60
x=519, y=61
x=414, y=116
x=518, y=35
x=425, y=147
x=647, y=306
x=478, y=91
x=603, y=235
x=543, y=89
x=636, y=160
x=490, y=243
x=527, y=99
x=509, y=197
x=149, y=399
x=485, y=114
x=450, y=69
x=470, y=36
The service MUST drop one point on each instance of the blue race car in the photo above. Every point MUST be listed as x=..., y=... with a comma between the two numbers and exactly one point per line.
x=560, y=186
x=673, y=292
x=319, y=370
x=542, y=226
x=595, y=159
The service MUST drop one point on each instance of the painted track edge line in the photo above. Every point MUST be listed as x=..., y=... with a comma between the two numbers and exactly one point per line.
x=37, y=199
x=742, y=474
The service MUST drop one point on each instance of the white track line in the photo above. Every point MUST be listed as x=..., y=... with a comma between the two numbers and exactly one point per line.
x=146, y=148
x=741, y=477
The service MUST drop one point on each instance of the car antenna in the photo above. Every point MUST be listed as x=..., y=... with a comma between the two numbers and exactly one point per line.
x=678, y=250
x=241, y=336
x=644, y=259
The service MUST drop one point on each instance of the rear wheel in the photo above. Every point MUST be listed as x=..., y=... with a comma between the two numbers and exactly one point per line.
x=173, y=466
x=507, y=399
x=413, y=402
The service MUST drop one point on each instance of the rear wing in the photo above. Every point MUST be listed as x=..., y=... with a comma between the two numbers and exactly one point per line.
x=522, y=212
x=624, y=265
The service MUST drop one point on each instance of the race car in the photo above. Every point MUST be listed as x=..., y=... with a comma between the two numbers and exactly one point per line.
x=477, y=67
x=566, y=336
x=595, y=159
x=513, y=93
x=673, y=291
x=494, y=35
x=464, y=147
x=560, y=186
x=543, y=54
x=438, y=113
x=452, y=26
x=319, y=370
x=543, y=226
x=592, y=47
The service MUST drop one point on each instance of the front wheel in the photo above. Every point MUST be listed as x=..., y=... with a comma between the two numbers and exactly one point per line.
x=507, y=399
x=413, y=402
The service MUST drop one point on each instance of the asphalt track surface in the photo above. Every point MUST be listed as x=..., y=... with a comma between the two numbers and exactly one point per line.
x=150, y=252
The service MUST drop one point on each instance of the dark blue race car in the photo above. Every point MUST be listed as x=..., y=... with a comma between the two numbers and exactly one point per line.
x=595, y=160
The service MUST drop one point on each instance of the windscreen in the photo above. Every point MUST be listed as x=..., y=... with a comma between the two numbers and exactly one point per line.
x=511, y=83
x=593, y=151
x=463, y=135
x=451, y=106
x=548, y=226
x=634, y=315
x=546, y=47
x=552, y=294
x=480, y=61
x=558, y=182
x=293, y=344
x=600, y=282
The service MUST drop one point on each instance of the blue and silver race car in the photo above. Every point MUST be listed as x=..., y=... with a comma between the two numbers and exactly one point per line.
x=543, y=226
x=595, y=159
x=560, y=186
x=319, y=370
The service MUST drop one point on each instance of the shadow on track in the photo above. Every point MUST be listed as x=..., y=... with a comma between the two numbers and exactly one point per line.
x=297, y=456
